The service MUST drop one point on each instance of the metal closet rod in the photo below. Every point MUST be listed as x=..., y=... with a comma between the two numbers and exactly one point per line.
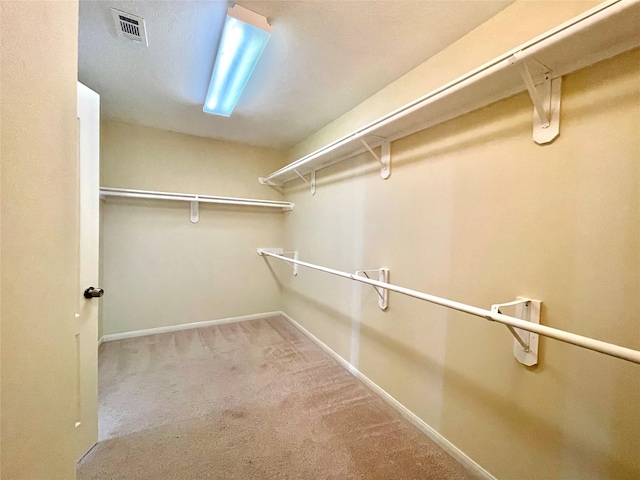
x=567, y=337
x=189, y=197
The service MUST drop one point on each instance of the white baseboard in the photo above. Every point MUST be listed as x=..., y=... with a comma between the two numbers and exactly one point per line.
x=101, y=341
x=461, y=457
x=184, y=326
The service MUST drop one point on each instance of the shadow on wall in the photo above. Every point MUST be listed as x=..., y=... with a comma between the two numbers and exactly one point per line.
x=357, y=166
x=467, y=133
x=523, y=422
x=467, y=136
x=274, y=274
x=154, y=204
x=323, y=308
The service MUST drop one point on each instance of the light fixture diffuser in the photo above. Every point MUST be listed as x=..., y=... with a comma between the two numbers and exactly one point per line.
x=244, y=36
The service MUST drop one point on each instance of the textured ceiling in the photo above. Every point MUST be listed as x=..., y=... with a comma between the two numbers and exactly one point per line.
x=324, y=58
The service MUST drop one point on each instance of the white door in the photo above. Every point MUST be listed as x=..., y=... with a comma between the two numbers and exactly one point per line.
x=86, y=423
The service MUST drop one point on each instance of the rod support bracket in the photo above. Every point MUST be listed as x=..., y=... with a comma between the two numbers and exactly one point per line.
x=281, y=253
x=275, y=251
x=294, y=256
x=194, y=210
x=311, y=183
x=383, y=293
x=266, y=181
x=384, y=158
x=525, y=344
x=545, y=96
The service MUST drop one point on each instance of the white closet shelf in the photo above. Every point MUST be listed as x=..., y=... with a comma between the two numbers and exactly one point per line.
x=194, y=199
x=537, y=66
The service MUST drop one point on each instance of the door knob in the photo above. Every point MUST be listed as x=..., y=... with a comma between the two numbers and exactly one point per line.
x=92, y=292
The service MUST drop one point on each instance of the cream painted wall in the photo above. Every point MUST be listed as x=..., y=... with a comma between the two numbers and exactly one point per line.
x=159, y=269
x=475, y=211
x=38, y=248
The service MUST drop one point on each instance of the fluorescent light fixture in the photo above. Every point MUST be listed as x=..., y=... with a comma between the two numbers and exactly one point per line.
x=244, y=37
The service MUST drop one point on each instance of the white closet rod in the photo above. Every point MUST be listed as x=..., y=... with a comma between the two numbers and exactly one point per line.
x=188, y=197
x=567, y=337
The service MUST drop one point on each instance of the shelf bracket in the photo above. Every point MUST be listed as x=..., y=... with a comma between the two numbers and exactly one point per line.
x=384, y=158
x=194, y=210
x=312, y=184
x=383, y=293
x=266, y=181
x=545, y=96
x=294, y=266
x=276, y=251
x=282, y=253
x=525, y=345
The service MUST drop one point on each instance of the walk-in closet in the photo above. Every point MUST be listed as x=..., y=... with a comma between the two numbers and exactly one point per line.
x=404, y=245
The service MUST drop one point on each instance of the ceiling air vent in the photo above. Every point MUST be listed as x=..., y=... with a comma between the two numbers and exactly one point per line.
x=130, y=26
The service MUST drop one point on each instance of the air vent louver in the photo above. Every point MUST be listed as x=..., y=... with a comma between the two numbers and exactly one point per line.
x=130, y=26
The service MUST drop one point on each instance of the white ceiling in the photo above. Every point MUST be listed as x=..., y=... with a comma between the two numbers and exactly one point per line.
x=324, y=58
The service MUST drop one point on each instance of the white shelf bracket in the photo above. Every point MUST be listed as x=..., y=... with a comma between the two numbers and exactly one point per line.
x=294, y=266
x=195, y=210
x=281, y=253
x=385, y=171
x=275, y=251
x=545, y=96
x=525, y=345
x=312, y=184
x=384, y=159
x=266, y=181
x=383, y=293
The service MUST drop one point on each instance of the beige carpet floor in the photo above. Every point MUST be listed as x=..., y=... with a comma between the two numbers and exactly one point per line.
x=249, y=400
